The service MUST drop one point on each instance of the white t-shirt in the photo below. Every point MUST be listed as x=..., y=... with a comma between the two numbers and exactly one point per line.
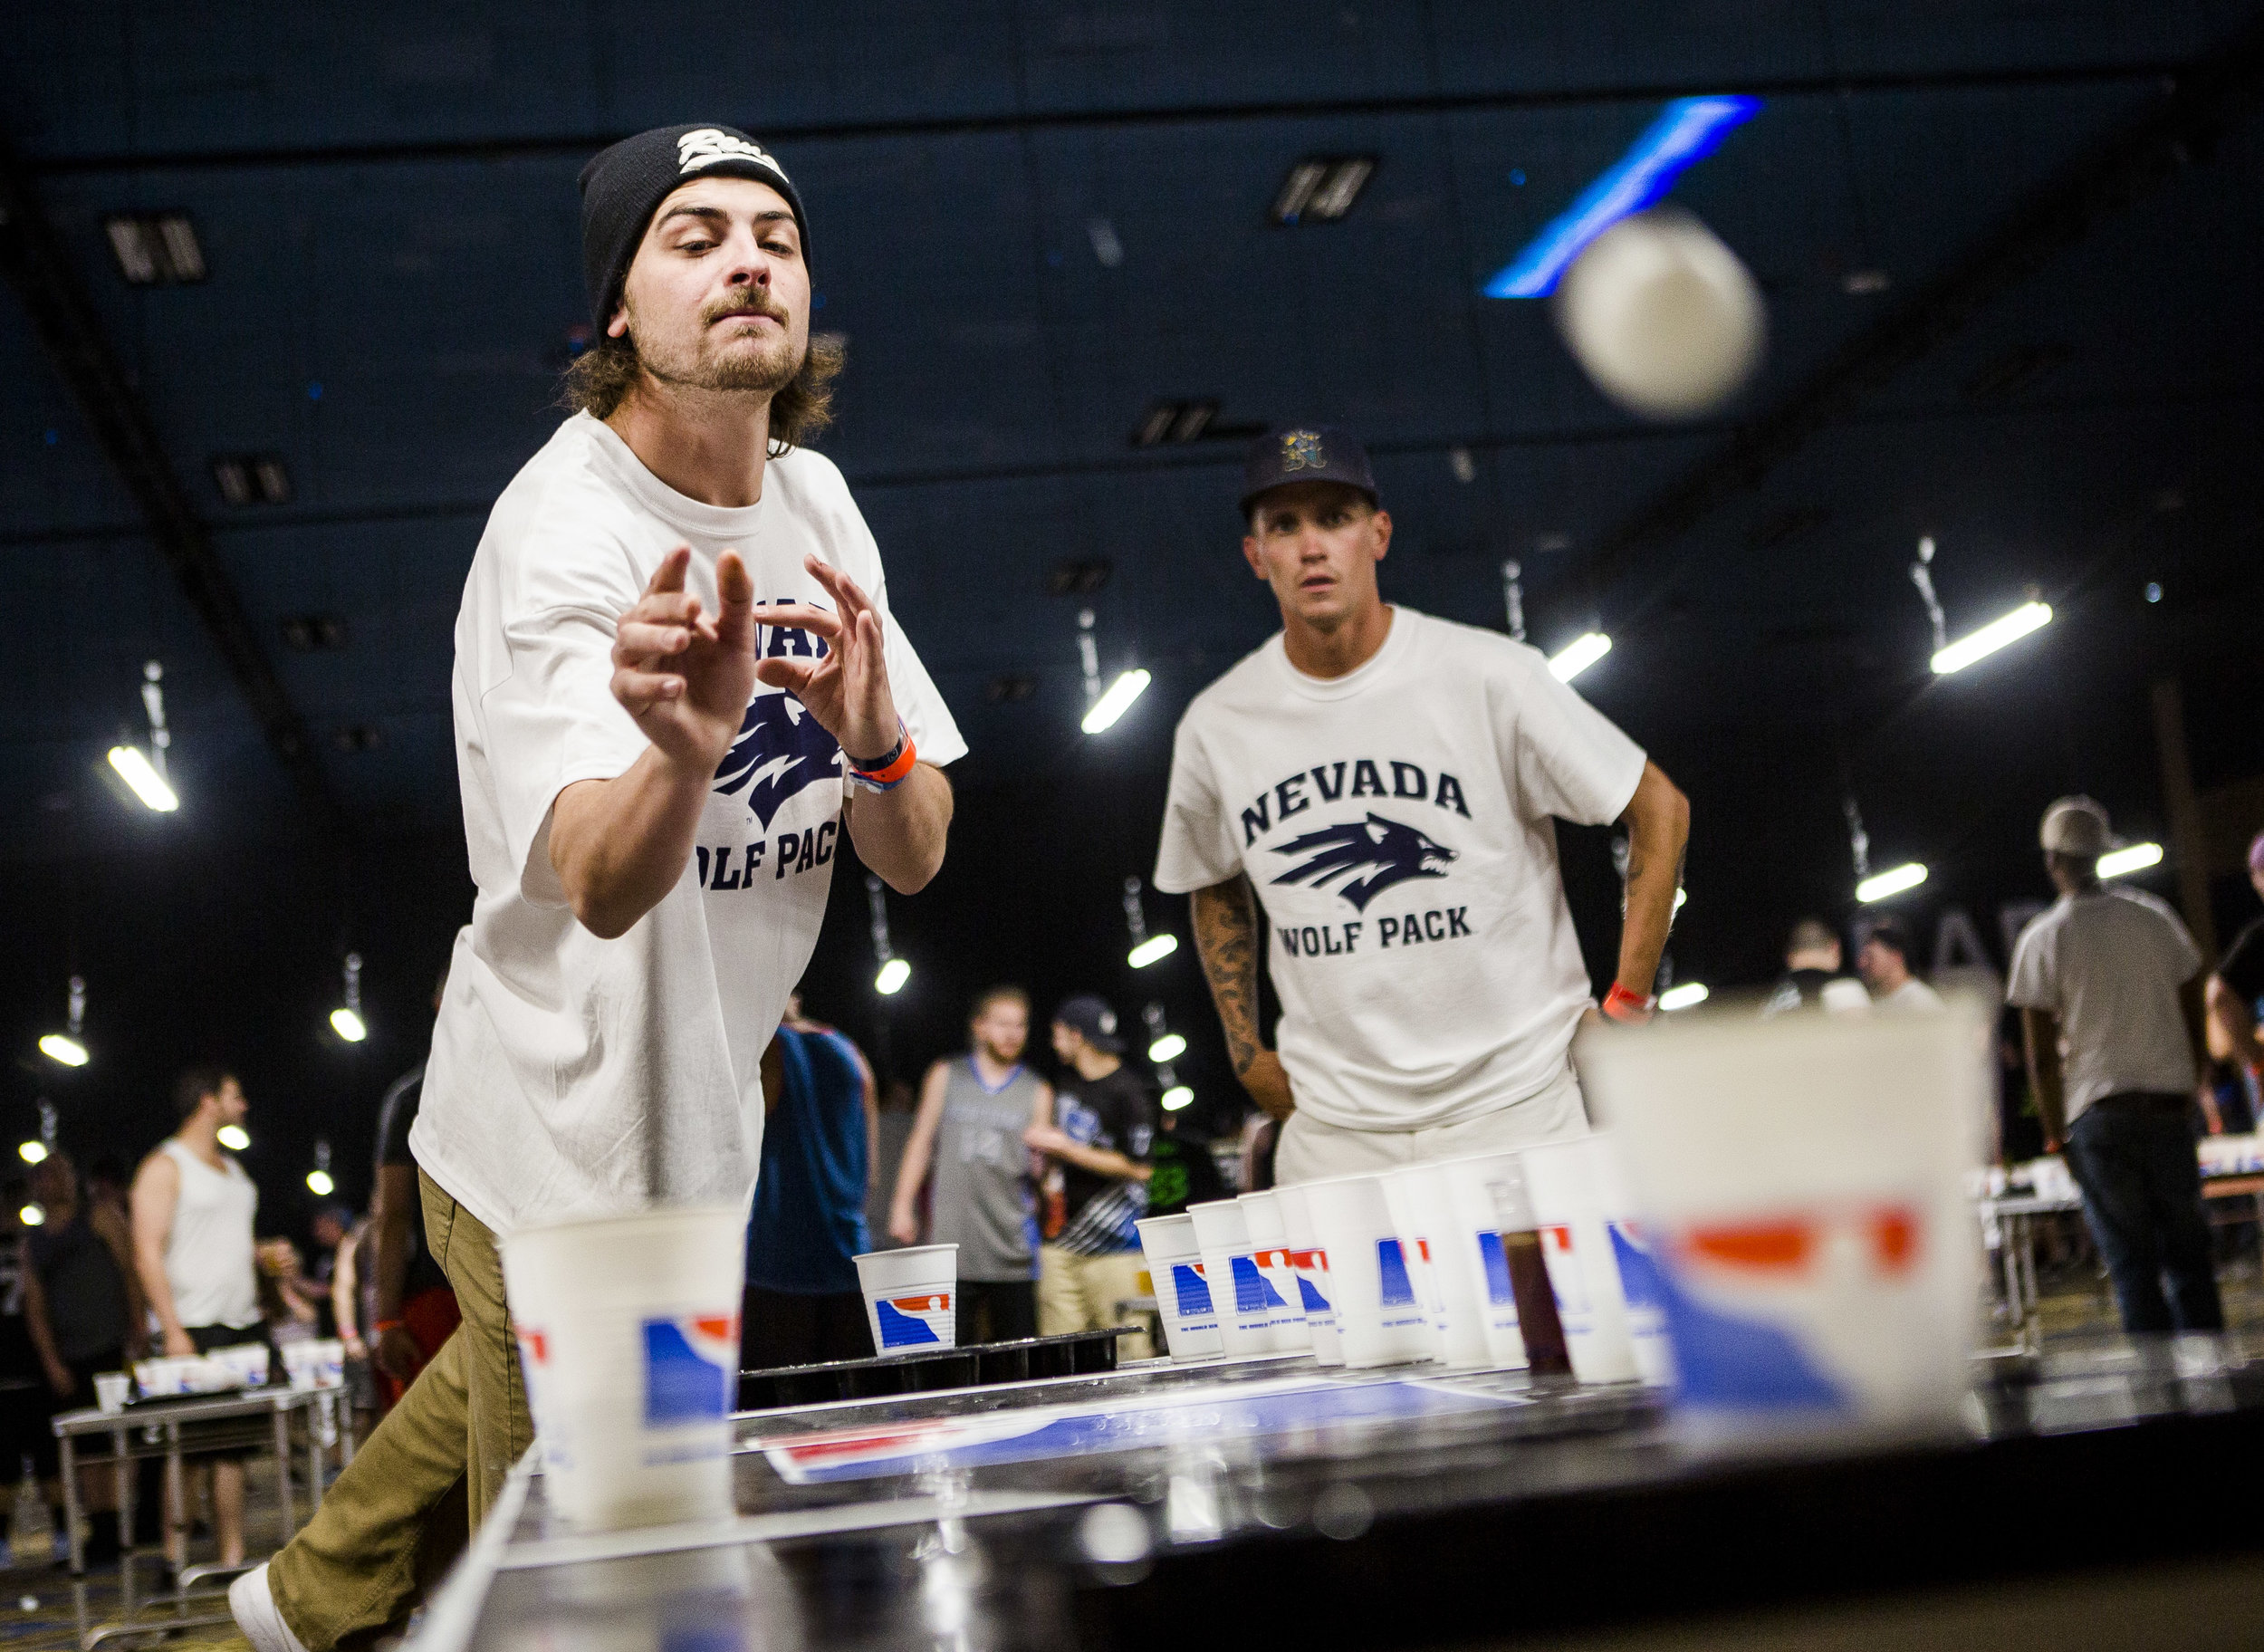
x=209, y=1265
x=1396, y=824
x=572, y=1076
x=2108, y=963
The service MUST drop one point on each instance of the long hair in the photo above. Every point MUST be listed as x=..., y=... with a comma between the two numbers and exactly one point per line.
x=602, y=376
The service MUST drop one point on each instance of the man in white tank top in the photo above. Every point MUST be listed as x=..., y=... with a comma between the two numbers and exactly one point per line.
x=193, y=1209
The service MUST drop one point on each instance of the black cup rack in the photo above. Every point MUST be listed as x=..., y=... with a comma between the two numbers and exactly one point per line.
x=1083, y=1353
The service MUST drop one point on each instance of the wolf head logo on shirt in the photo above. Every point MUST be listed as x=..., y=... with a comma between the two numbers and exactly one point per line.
x=1381, y=853
x=779, y=749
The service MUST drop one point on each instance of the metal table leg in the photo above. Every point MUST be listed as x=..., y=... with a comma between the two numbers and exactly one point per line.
x=282, y=1472
x=70, y=1459
x=315, y=1456
x=178, y=1519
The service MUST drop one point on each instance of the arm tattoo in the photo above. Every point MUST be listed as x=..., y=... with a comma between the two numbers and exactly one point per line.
x=1226, y=935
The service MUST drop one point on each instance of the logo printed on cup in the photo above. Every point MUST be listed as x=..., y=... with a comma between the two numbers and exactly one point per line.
x=1191, y=1289
x=908, y=1320
x=691, y=1366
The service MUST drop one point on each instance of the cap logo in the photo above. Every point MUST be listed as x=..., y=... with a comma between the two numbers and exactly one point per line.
x=697, y=151
x=1108, y=1024
x=1300, y=450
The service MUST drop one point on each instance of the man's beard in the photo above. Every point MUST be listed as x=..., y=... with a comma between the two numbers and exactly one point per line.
x=763, y=373
x=992, y=1049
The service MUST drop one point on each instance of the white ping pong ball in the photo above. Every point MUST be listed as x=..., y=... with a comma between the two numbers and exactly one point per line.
x=1661, y=316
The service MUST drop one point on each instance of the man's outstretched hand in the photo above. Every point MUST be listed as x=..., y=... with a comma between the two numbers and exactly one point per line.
x=685, y=678
x=848, y=690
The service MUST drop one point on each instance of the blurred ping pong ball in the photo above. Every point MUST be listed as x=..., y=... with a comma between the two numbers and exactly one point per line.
x=1662, y=315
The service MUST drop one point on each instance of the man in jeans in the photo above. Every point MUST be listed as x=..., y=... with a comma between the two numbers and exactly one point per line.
x=2108, y=985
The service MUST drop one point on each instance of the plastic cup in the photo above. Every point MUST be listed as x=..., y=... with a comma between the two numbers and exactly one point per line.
x=1804, y=1179
x=1475, y=1188
x=1638, y=1264
x=628, y=1334
x=1584, y=1278
x=109, y=1391
x=908, y=1297
x=1182, y=1294
x=1269, y=1251
x=1254, y=1316
x=240, y=1365
x=1315, y=1293
x=1379, y=1321
x=1448, y=1274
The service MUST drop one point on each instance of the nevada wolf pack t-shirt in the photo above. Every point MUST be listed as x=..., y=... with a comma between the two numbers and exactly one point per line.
x=1398, y=826
x=572, y=1076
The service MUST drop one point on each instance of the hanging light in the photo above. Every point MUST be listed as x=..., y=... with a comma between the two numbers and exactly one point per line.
x=893, y=974
x=1995, y=635
x=33, y=1215
x=233, y=1137
x=346, y=1019
x=136, y=771
x=1114, y=704
x=1146, y=948
x=2136, y=858
x=32, y=1152
x=319, y=1182
x=894, y=971
x=1892, y=881
x=1167, y=1048
x=68, y=1046
x=1688, y=995
x=1579, y=654
x=1177, y=1096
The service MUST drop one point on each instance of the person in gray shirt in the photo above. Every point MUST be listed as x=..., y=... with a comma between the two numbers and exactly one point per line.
x=2108, y=985
x=973, y=1109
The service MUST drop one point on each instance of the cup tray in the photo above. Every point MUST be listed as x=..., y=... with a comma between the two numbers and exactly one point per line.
x=1082, y=1353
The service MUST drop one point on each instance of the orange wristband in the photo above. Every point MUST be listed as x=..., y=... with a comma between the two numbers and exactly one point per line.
x=895, y=771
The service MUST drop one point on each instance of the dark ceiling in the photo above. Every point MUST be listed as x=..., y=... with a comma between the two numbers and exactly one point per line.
x=2010, y=252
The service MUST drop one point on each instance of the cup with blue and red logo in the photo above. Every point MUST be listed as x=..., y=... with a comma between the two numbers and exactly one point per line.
x=1380, y=1320
x=1576, y=1246
x=1800, y=1185
x=1446, y=1275
x=911, y=1297
x=1183, y=1297
x=629, y=1338
x=1255, y=1317
x=1485, y=1198
x=1270, y=1253
x=1316, y=1294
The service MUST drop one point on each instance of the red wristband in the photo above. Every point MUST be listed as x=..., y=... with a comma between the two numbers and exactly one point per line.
x=1622, y=1005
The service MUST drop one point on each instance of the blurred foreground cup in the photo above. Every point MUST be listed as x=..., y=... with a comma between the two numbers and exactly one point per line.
x=1802, y=1183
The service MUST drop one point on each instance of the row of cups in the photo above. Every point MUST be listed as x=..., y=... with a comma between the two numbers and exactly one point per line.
x=1463, y=1261
x=311, y=1364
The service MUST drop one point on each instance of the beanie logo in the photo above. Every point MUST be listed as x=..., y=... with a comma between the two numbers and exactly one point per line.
x=697, y=151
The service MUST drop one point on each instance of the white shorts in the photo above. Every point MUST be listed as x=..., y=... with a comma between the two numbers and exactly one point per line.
x=1311, y=1151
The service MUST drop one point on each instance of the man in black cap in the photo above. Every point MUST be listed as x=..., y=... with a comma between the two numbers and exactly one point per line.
x=1104, y=1121
x=1389, y=783
x=674, y=661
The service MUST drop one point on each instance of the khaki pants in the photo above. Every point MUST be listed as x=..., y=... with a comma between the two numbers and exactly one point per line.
x=388, y=1526
x=1082, y=1293
x=1311, y=1151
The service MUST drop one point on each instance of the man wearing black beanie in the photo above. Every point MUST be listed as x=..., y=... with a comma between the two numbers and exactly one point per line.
x=678, y=685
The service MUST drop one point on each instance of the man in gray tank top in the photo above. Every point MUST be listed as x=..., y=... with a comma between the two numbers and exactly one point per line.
x=973, y=1109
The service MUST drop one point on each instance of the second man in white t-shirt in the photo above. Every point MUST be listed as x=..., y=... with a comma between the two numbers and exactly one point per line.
x=1386, y=785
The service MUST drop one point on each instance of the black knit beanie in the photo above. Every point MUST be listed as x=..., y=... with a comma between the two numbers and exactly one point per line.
x=624, y=185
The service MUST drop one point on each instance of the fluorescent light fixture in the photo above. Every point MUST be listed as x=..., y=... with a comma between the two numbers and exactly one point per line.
x=1891, y=882
x=1166, y=1048
x=131, y=245
x=33, y=1215
x=2137, y=858
x=149, y=786
x=1149, y=950
x=893, y=974
x=1579, y=653
x=319, y=1185
x=1118, y=700
x=154, y=248
x=1177, y=1096
x=233, y=1137
x=1687, y=131
x=62, y=1047
x=1688, y=995
x=2028, y=617
x=177, y=235
x=32, y=1152
x=1681, y=895
x=349, y=1025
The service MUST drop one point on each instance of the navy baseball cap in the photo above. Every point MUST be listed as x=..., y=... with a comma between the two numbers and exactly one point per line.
x=1305, y=453
x=1093, y=1018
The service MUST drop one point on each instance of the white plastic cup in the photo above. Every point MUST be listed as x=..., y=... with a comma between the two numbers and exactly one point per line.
x=1421, y=1210
x=1636, y=1261
x=1474, y=1190
x=1182, y=1293
x=1804, y=1178
x=628, y=1334
x=240, y=1365
x=1379, y=1319
x=909, y=1297
x=1569, y=1207
x=1254, y=1316
x=1316, y=1294
x=1269, y=1251
x=109, y=1391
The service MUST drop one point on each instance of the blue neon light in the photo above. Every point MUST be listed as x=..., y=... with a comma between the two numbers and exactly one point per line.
x=1686, y=132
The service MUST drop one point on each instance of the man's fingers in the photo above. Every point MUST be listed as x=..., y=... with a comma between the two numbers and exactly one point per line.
x=639, y=691
x=666, y=608
x=803, y=617
x=791, y=675
x=669, y=575
x=735, y=597
x=636, y=642
x=845, y=590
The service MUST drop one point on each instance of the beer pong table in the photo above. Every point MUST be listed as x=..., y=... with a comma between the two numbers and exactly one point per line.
x=1268, y=1503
